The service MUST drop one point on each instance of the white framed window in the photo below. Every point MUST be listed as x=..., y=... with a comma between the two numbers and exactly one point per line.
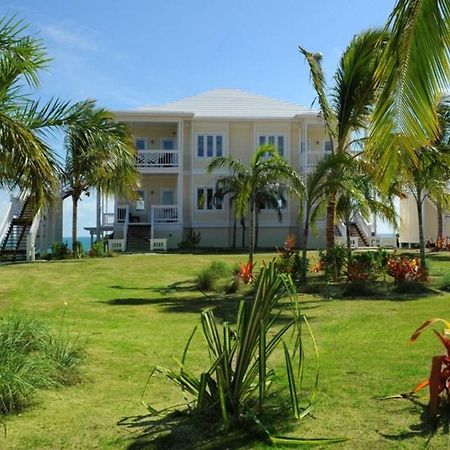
x=327, y=146
x=205, y=199
x=167, y=144
x=140, y=202
x=281, y=205
x=277, y=140
x=141, y=143
x=209, y=145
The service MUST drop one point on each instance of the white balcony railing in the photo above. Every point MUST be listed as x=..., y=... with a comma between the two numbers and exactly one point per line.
x=108, y=219
x=315, y=157
x=164, y=214
x=155, y=159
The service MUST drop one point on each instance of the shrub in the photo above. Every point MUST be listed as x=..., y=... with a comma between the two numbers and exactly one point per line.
x=191, y=240
x=290, y=261
x=215, y=277
x=31, y=357
x=98, y=249
x=333, y=261
x=404, y=269
x=358, y=288
x=60, y=250
x=367, y=265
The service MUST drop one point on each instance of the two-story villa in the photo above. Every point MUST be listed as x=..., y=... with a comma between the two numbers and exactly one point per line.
x=175, y=143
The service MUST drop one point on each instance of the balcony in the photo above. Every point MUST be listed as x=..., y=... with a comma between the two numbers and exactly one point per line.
x=157, y=159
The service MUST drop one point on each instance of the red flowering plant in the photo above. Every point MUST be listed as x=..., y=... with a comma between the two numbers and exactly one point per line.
x=439, y=379
x=406, y=269
x=245, y=272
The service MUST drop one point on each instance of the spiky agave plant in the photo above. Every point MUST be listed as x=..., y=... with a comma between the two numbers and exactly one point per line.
x=235, y=385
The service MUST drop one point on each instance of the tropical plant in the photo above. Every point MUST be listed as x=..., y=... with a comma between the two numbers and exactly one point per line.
x=26, y=160
x=346, y=113
x=333, y=261
x=191, y=239
x=404, y=269
x=439, y=379
x=217, y=276
x=266, y=178
x=99, y=155
x=235, y=385
x=414, y=70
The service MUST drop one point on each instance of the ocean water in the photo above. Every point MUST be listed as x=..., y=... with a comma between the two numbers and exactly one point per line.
x=85, y=242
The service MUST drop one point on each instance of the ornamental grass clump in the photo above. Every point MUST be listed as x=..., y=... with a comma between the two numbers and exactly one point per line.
x=217, y=277
x=31, y=358
x=233, y=388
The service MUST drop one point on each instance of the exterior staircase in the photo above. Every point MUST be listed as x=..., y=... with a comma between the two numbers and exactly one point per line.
x=14, y=244
x=138, y=237
x=355, y=231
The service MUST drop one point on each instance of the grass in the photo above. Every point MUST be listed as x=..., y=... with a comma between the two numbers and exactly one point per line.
x=138, y=311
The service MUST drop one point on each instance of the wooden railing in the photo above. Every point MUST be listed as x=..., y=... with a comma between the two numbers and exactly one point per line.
x=155, y=159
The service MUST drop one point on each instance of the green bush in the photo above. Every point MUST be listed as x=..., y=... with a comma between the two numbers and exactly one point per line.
x=60, y=250
x=217, y=277
x=32, y=357
x=333, y=261
x=98, y=249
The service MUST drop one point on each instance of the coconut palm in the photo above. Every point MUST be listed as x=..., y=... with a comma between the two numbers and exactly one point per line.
x=415, y=69
x=99, y=155
x=267, y=171
x=26, y=160
x=346, y=111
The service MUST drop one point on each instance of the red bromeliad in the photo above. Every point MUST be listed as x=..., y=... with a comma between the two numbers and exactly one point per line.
x=246, y=272
x=439, y=380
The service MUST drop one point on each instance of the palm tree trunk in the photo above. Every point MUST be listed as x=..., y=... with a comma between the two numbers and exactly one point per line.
x=243, y=231
x=234, y=232
x=256, y=229
x=440, y=222
x=421, y=236
x=331, y=207
x=305, y=247
x=74, y=226
x=348, y=238
x=252, y=229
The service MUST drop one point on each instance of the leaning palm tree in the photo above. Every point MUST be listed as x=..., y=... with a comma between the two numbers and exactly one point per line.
x=346, y=111
x=414, y=69
x=267, y=170
x=99, y=155
x=26, y=159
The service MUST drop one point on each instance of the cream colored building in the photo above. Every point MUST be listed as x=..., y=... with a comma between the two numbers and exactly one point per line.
x=175, y=143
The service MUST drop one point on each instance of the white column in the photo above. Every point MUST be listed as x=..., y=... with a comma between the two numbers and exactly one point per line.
x=99, y=212
x=180, y=172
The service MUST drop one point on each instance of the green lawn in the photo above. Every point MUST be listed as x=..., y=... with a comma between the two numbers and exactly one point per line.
x=138, y=311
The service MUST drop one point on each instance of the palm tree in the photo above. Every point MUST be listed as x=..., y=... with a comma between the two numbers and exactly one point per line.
x=347, y=111
x=267, y=170
x=318, y=184
x=414, y=68
x=99, y=154
x=26, y=160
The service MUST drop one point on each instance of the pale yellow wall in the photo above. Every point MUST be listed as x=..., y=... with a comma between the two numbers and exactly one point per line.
x=154, y=133
x=316, y=138
x=241, y=140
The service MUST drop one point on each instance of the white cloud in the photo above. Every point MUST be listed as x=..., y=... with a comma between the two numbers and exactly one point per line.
x=64, y=37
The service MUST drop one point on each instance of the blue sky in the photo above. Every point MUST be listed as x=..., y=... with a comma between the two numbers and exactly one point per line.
x=127, y=54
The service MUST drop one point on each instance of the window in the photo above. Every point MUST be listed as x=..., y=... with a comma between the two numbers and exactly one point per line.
x=140, y=202
x=167, y=144
x=275, y=139
x=209, y=145
x=328, y=146
x=206, y=200
x=140, y=143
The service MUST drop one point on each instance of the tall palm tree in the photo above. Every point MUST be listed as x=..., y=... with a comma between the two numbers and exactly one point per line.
x=346, y=111
x=26, y=160
x=414, y=69
x=267, y=170
x=99, y=155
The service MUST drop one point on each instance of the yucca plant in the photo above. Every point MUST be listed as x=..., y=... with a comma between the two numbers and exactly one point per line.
x=235, y=385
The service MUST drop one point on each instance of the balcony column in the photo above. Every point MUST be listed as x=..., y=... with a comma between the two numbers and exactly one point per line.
x=180, y=172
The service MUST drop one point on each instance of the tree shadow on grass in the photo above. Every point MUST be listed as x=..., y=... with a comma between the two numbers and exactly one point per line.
x=427, y=428
x=439, y=256
x=179, y=286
